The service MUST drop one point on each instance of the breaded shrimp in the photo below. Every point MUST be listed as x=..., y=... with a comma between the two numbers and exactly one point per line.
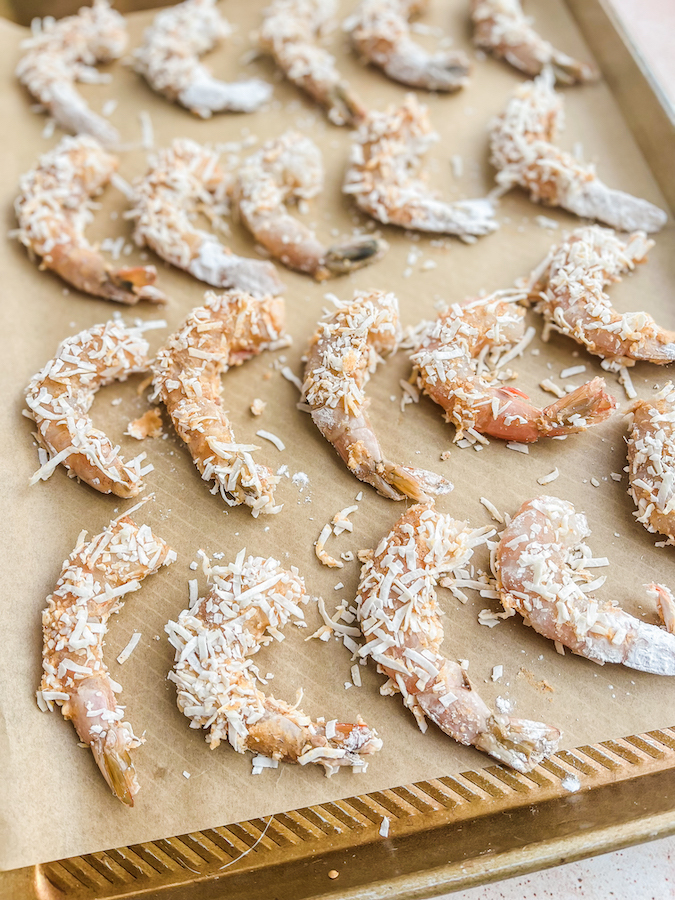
x=229, y=329
x=523, y=152
x=169, y=60
x=59, y=399
x=380, y=32
x=284, y=170
x=290, y=32
x=250, y=601
x=385, y=155
x=540, y=573
x=400, y=618
x=184, y=179
x=53, y=209
x=342, y=355
x=459, y=363
x=62, y=52
x=94, y=580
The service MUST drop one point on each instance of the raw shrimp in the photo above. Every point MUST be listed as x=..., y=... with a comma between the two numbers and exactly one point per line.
x=53, y=209
x=61, y=53
x=290, y=32
x=540, y=573
x=386, y=152
x=502, y=27
x=400, y=618
x=342, y=354
x=287, y=169
x=249, y=602
x=169, y=60
x=569, y=289
x=94, y=580
x=229, y=329
x=460, y=361
x=381, y=34
x=184, y=179
x=59, y=399
x=524, y=154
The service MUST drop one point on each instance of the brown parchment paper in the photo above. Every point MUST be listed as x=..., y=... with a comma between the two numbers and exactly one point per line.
x=54, y=801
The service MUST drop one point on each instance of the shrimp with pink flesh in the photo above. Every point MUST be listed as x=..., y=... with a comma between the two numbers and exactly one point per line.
x=285, y=170
x=169, y=60
x=380, y=32
x=93, y=582
x=226, y=331
x=400, y=617
x=248, y=604
x=59, y=399
x=384, y=158
x=183, y=180
x=460, y=361
x=540, y=573
x=524, y=153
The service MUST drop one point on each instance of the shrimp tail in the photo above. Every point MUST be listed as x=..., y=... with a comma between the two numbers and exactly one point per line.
x=588, y=404
x=132, y=284
x=520, y=743
x=353, y=254
x=571, y=71
x=595, y=200
x=114, y=761
x=345, y=106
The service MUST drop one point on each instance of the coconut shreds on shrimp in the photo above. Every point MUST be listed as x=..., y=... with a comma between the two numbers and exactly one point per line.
x=249, y=602
x=285, y=170
x=380, y=32
x=399, y=614
x=343, y=353
x=169, y=60
x=226, y=331
x=384, y=158
x=523, y=152
x=184, y=179
x=94, y=580
x=540, y=574
x=459, y=363
x=59, y=399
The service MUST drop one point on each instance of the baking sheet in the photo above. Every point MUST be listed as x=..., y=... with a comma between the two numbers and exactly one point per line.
x=56, y=803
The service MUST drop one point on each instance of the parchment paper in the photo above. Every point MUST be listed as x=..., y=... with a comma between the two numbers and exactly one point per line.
x=55, y=802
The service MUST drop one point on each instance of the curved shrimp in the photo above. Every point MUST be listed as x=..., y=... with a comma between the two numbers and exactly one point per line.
x=53, y=209
x=380, y=32
x=65, y=51
x=93, y=582
x=186, y=178
x=169, y=60
x=502, y=28
x=226, y=331
x=523, y=152
x=386, y=152
x=59, y=399
x=342, y=354
x=400, y=618
x=458, y=364
x=250, y=600
x=286, y=169
x=290, y=32
x=539, y=567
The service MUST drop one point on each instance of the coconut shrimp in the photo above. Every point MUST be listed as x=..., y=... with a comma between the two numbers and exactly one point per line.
x=169, y=60
x=226, y=331
x=523, y=152
x=53, y=209
x=93, y=582
x=287, y=169
x=459, y=364
x=400, y=618
x=290, y=32
x=249, y=602
x=380, y=32
x=59, y=399
x=184, y=179
x=540, y=573
x=342, y=354
x=386, y=152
